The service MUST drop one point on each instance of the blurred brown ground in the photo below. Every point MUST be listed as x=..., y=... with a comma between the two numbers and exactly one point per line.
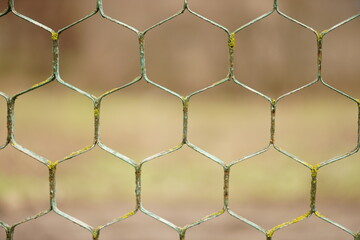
x=273, y=56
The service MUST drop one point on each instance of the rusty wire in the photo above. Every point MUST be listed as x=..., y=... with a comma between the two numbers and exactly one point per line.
x=55, y=37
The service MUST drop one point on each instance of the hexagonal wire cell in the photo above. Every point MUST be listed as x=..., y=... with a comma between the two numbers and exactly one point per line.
x=108, y=196
x=229, y=121
x=316, y=124
x=271, y=185
x=189, y=187
x=152, y=123
x=19, y=69
x=268, y=59
x=105, y=55
x=24, y=190
x=61, y=119
x=185, y=40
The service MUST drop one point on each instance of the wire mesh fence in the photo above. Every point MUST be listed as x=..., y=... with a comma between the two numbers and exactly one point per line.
x=138, y=167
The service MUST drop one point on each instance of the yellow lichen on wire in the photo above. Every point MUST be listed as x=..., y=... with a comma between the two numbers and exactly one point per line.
x=231, y=42
x=314, y=171
x=40, y=83
x=78, y=152
x=129, y=214
x=298, y=219
x=95, y=233
x=96, y=112
x=54, y=36
x=52, y=165
x=185, y=102
x=213, y=215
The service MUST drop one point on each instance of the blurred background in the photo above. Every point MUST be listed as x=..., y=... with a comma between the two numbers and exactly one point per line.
x=273, y=56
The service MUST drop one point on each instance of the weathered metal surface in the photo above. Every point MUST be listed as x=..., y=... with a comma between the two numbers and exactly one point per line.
x=55, y=36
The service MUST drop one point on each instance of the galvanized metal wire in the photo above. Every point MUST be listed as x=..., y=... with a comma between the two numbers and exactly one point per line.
x=55, y=36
